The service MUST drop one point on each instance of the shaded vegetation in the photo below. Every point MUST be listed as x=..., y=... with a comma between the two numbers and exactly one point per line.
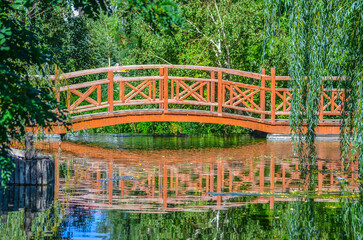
x=23, y=101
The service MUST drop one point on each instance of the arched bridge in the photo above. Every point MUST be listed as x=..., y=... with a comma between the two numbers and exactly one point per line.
x=141, y=93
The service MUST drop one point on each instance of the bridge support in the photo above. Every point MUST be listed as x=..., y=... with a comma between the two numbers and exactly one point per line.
x=220, y=93
x=273, y=95
x=287, y=137
x=166, y=89
x=258, y=134
x=110, y=91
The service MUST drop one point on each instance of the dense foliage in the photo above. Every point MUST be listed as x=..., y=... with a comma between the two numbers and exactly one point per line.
x=213, y=33
x=22, y=102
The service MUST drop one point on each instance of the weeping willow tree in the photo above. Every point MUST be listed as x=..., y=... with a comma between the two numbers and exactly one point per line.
x=325, y=40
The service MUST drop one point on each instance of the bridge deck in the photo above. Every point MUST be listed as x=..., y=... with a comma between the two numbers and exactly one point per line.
x=87, y=121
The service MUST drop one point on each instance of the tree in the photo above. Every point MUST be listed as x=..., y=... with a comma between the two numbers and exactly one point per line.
x=325, y=40
x=106, y=37
x=161, y=16
x=22, y=102
x=231, y=33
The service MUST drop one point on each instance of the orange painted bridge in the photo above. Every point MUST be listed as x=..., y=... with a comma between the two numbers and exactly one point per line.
x=180, y=93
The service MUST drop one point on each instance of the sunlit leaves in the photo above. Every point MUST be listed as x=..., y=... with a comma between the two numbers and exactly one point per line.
x=161, y=16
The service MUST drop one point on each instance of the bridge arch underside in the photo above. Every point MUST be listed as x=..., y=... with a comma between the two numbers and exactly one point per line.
x=96, y=120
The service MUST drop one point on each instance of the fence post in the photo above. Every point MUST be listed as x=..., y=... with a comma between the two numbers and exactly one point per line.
x=122, y=92
x=110, y=91
x=212, y=76
x=99, y=95
x=263, y=93
x=166, y=95
x=273, y=94
x=68, y=99
x=56, y=76
x=56, y=91
x=321, y=104
x=161, y=73
x=220, y=92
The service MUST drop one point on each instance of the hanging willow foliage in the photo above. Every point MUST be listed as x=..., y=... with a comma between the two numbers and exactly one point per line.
x=325, y=40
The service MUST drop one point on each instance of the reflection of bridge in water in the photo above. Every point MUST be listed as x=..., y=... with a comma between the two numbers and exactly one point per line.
x=176, y=180
x=168, y=93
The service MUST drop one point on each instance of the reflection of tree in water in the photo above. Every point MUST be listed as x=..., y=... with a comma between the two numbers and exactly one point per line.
x=78, y=217
x=25, y=224
x=352, y=218
x=304, y=218
x=246, y=222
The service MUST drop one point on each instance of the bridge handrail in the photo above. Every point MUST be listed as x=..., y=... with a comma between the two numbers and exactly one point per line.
x=136, y=67
x=190, y=67
x=287, y=78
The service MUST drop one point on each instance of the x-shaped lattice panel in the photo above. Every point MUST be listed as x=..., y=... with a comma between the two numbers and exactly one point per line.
x=84, y=97
x=138, y=90
x=190, y=91
x=239, y=95
x=332, y=101
x=285, y=105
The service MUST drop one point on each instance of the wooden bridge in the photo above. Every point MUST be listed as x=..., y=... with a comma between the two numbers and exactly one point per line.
x=156, y=93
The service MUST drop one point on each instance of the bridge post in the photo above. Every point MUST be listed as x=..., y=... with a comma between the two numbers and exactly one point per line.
x=321, y=104
x=220, y=93
x=263, y=93
x=122, y=92
x=161, y=73
x=212, y=76
x=68, y=100
x=273, y=94
x=110, y=91
x=99, y=95
x=56, y=91
x=166, y=94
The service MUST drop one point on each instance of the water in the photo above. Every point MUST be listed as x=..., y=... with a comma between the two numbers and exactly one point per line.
x=198, y=187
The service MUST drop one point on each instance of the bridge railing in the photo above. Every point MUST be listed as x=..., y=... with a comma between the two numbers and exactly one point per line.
x=217, y=90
